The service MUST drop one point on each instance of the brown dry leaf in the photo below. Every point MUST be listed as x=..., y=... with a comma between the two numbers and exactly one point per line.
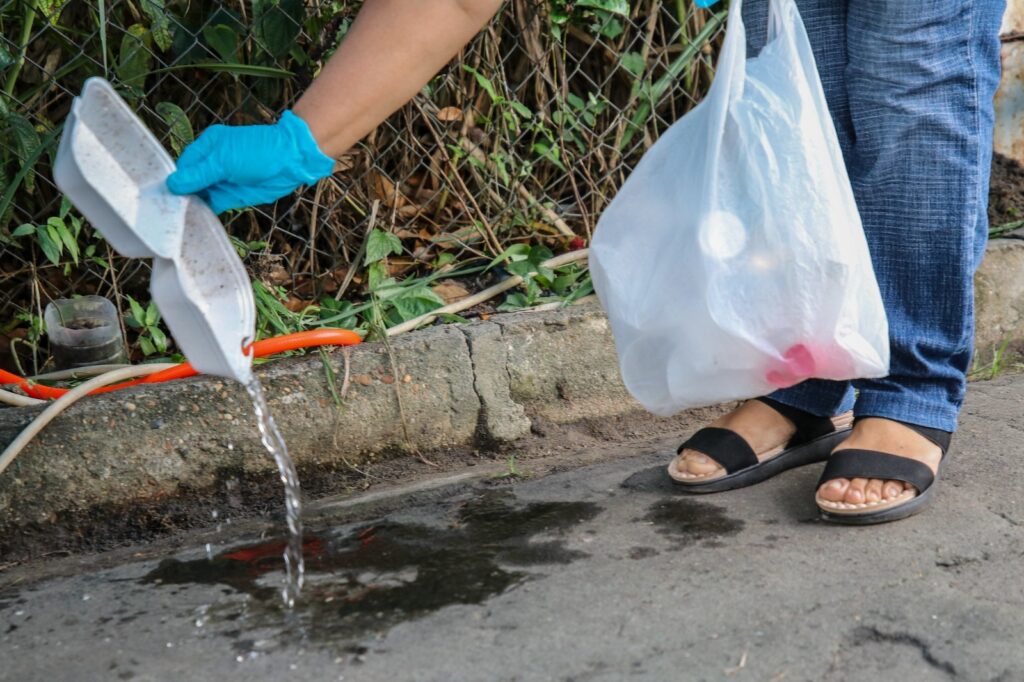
x=345, y=163
x=450, y=291
x=384, y=190
x=449, y=114
x=296, y=304
x=277, y=276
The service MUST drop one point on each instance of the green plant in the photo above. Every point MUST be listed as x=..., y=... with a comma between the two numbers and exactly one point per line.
x=146, y=321
x=512, y=472
x=522, y=142
x=600, y=16
x=57, y=236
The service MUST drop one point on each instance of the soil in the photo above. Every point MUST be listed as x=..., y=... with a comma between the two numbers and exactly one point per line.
x=1006, y=191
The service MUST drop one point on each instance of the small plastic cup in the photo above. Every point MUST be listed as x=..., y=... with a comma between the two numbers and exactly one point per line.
x=84, y=331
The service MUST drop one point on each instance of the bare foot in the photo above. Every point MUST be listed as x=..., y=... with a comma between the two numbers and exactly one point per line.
x=765, y=430
x=881, y=435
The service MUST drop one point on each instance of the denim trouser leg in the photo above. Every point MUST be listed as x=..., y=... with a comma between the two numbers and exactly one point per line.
x=825, y=21
x=921, y=77
x=912, y=104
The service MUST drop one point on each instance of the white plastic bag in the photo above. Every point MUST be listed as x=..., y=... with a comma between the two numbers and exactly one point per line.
x=733, y=262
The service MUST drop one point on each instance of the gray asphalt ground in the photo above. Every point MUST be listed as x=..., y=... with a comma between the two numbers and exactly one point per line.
x=599, y=573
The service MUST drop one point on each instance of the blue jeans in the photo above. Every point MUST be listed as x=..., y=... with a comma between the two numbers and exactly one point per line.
x=910, y=85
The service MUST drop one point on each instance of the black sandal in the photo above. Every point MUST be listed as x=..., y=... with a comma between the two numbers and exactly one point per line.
x=814, y=439
x=854, y=463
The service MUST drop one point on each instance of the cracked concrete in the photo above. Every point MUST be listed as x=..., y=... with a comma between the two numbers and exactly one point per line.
x=620, y=577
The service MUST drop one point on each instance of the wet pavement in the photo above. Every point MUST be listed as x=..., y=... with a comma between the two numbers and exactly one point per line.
x=600, y=573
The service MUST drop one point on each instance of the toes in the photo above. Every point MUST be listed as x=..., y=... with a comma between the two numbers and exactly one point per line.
x=855, y=493
x=892, y=489
x=873, y=493
x=696, y=464
x=834, y=490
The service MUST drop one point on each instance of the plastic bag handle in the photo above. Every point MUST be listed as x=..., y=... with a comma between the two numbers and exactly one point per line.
x=780, y=18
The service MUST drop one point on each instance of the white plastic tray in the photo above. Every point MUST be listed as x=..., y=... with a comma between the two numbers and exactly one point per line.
x=114, y=170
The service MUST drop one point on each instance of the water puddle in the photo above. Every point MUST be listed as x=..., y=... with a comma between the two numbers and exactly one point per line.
x=688, y=521
x=271, y=436
x=373, y=577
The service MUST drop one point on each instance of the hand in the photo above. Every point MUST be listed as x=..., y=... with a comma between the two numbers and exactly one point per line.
x=238, y=166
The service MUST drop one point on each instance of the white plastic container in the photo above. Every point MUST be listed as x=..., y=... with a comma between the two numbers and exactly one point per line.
x=114, y=170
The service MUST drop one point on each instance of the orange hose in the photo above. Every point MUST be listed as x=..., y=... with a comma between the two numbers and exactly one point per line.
x=260, y=349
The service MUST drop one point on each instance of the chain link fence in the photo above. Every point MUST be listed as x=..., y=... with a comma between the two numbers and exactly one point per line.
x=523, y=138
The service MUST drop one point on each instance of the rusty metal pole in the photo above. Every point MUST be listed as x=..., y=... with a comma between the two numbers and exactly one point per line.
x=1009, y=130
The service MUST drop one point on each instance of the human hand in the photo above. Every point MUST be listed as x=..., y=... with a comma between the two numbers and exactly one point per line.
x=238, y=166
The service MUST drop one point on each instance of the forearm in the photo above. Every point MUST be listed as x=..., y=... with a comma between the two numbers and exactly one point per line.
x=393, y=48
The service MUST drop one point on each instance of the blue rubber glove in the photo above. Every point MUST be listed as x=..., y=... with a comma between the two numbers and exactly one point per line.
x=237, y=166
x=705, y=3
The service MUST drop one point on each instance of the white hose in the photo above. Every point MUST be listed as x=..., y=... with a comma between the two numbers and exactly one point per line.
x=18, y=400
x=66, y=400
x=77, y=372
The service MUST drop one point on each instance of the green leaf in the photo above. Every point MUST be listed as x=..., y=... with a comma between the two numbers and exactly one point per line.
x=380, y=245
x=23, y=230
x=178, y=124
x=133, y=62
x=51, y=9
x=416, y=301
x=521, y=109
x=159, y=338
x=484, y=83
x=159, y=23
x=516, y=301
x=611, y=28
x=516, y=252
x=378, y=280
x=277, y=24
x=50, y=246
x=632, y=62
x=147, y=346
x=338, y=312
x=6, y=58
x=26, y=145
x=223, y=39
x=64, y=236
x=443, y=260
x=138, y=314
x=152, y=314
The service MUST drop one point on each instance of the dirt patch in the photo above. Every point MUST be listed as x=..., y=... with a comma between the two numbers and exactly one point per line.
x=1006, y=191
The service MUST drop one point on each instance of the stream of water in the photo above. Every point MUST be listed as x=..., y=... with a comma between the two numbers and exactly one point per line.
x=293, y=562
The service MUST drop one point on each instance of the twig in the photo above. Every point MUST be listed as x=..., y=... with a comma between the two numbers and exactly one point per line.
x=484, y=295
x=313, y=215
x=354, y=265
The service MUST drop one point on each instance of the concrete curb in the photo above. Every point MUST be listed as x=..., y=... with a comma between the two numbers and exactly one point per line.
x=478, y=385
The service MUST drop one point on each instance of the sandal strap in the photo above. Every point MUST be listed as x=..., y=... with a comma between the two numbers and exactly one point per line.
x=937, y=436
x=726, y=447
x=855, y=463
x=808, y=426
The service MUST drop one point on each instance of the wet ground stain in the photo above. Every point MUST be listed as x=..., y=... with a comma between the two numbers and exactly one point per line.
x=687, y=521
x=654, y=479
x=379, y=575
